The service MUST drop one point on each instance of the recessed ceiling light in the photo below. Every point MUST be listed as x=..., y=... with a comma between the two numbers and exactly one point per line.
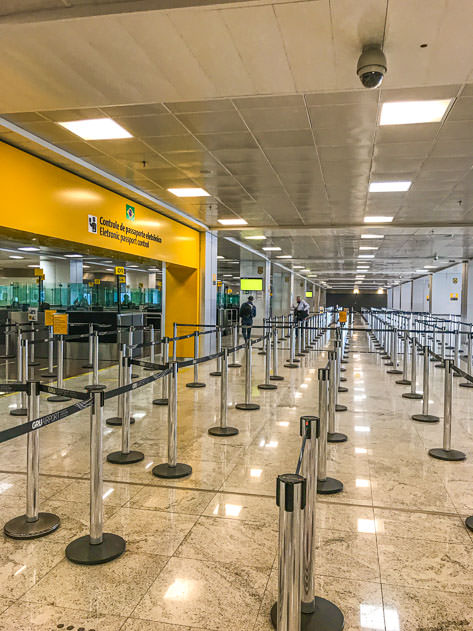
x=13, y=256
x=29, y=248
x=34, y=265
x=227, y=275
x=312, y=275
x=96, y=129
x=305, y=270
x=86, y=266
x=413, y=112
x=430, y=266
x=153, y=269
x=109, y=269
x=389, y=187
x=220, y=257
x=420, y=271
x=367, y=247
x=73, y=256
x=378, y=219
x=297, y=267
x=256, y=237
x=284, y=256
x=232, y=222
x=272, y=248
x=132, y=266
x=372, y=236
x=189, y=192
x=366, y=256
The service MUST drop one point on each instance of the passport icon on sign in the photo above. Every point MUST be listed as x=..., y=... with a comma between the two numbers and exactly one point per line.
x=92, y=224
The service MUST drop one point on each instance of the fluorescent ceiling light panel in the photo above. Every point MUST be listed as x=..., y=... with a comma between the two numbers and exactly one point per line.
x=420, y=271
x=367, y=247
x=298, y=267
x=220, y=257
x=378, y=219
x=34, y=265
x=425, y=266
x=389, y=187
x=96, y=129
x=16, y=257
x=366, y=256
x=284, y=256
x=29, y=249
x=413, y=112
x=256, y=237
x=305, y=270
x=272, y=248
x=232, y=222
x=372, y=236
x=73, y=256
x=189, y=192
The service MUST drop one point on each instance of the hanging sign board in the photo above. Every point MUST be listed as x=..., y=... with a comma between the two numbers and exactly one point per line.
x=38, y=271
x=119, y=271
x=60, y=323
x=48, y=317
x=32, y=314
x=342, y=316
x=453, y=296
x=96, y=281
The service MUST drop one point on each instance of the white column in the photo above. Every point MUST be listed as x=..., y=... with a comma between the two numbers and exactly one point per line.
x=208, y=293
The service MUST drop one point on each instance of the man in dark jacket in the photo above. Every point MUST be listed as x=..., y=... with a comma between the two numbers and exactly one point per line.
x=247, y=313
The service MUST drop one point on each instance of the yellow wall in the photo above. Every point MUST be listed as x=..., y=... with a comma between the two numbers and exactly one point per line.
x=182, y=305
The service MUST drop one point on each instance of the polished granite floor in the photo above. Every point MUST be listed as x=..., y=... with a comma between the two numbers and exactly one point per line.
x=392, y=550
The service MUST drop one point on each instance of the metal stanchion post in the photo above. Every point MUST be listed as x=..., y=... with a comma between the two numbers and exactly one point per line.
x=413, y=394
x=446, y=452
x=247, y=405
x=32, y=524
x=196, y=383
x=22, y=374
x=50, y=372
x=262, y=350
x=95, y=386
x=339, y=407
x=325, y=485
x=405, y=344
x=441, y=364
x=172, y=469
x=131, y=344
x=299, y=340
x=116, y=421
x=395, y=342
x=456, y=352
x=125, y=456
x=292, y=362
x=332, y=435
x=90, y=363
x=275, y=376
x=32, y=361
x=468, y=384
x=98, y=546
x=223, y=429
x=267, y=368
x=59, y=398
x=163, y=400
x=218, y=372
x=174, y=344
x=291, y=499
x=425, y=417
x=152, y=348
x=234, y=363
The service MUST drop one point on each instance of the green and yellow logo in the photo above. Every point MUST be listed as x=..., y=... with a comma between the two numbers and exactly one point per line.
x=130, y=212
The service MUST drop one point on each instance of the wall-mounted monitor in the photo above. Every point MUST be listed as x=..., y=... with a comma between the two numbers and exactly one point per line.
x=251, y=284
x=308, y=294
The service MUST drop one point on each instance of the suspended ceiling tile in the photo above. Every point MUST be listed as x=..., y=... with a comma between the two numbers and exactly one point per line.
x=276, y=139
x=151, y=125
x=174, y=144
x=407, y=133
x=282, y=119
x=234, y=140
x=213, y=122
x=453, y=148
x=337, y=136
x=418, y=149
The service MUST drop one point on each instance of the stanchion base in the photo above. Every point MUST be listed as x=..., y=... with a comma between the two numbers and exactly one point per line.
x=116, y=421
x=276, y=378
x=439, y=365
x=340, y=408
x=342, y=389
x=223, y=431
x=195, y=384
x=51, y=375
x=388, y=364
x=262, y=353
x=385, y=357
x=117, y=457
x=469, y=523
x=95, y=387
x=425, y=418
x=134, y=376
x=19, y=528
x=267, y=386
x=394, y=371
x=7, y=356
x=247, y=406
x=343, y=379
x=403, y=382
x=58, y=398
x=166, y=471
x=336, y=437
x=411, y=395
x=326, y=617
x=35, y=363
x=329, y=486
x=20, y=411
x=234, y=365
x=446, y=454
x=88, y=366
x=81, y=551
x=215, y=373
x=466, y=384
x=344, y=361
x=160, y=401
x=291, y=365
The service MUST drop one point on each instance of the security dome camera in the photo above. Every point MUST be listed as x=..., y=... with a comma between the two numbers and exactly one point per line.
x=372, y=66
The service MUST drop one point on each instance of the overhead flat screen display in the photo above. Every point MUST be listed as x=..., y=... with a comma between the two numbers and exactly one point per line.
x=251, y=284
x=308, y=294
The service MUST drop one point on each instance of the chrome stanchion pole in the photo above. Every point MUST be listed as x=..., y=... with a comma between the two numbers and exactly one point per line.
x=332, y=435
x=275, y=376
x=32, y=361
x=126, y=456
x=50, y=372
x=32, y=524
x=98, y=546
x=291, y=500
x=223, y=429
x=262, y=350
x=59, y=398
x=446, y=452
x=163, y=400
x=22, y=373
x=152, y=348
x=425, y=417
x=235, y=363
x=196, y=383
x=172, y=469
x=325, y=485
x=174, y=344
x=456, y=352
x=299, y=340
x=267, y=368
x=90, y=363
x=413, y=394
x=116, y=421
x=395, y=342
x=247, y=405
x=95, y=386
x=292, y=362
x=218, y=372
x=405, y=344
x=468, y=384
x=339, y=407
x=441, y=363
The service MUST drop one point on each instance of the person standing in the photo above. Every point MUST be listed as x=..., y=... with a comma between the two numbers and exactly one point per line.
x=247, y=313
x=301, y=312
